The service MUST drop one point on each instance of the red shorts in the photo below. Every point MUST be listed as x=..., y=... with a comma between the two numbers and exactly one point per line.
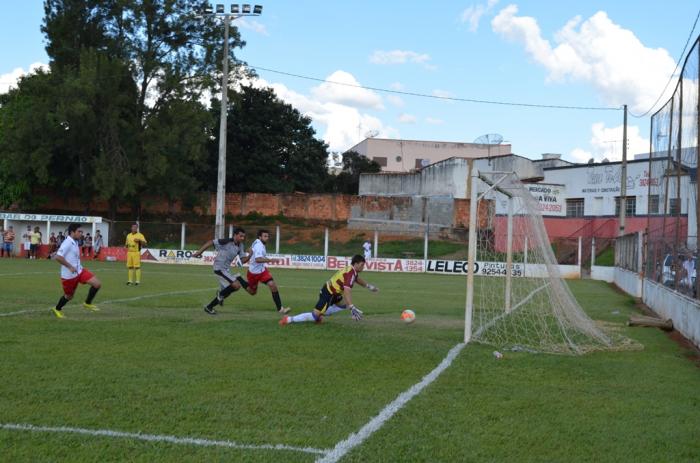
x=72, y=283
x=255, y=278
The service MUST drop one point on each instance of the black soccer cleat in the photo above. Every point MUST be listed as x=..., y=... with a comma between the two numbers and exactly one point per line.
x=210, y=310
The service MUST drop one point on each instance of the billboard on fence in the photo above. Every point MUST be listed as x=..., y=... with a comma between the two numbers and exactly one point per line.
x=380, y=264
x=460, y=267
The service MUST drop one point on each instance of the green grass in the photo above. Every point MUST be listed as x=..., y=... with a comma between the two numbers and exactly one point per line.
x=160, y=365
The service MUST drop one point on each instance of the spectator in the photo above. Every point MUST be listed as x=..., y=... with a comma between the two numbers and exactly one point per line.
x=8, y=240
x=34, y=242
x=88, y=245
x=367, y=248
x=60, y=239
x=53, y=245
x=27, y=242
x=98, y=243
x=81, y=245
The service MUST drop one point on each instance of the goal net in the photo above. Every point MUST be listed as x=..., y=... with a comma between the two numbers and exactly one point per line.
x=516, y=296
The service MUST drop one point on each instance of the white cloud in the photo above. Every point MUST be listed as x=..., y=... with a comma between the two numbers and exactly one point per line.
x=434, y=121
x=396, y=101
x=350, y=94
x=472, y=14
x=407, y=118
x=342, y=125
x=606, y=142
x=595, y=51
x=401, y=57
x=252, y=25
x=9, y=80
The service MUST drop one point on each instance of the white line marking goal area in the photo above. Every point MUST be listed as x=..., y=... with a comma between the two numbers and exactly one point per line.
x=324, y=455
x=355, y=439
x=158, y=438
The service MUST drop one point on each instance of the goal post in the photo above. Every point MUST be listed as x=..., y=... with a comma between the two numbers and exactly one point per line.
x=516, y=297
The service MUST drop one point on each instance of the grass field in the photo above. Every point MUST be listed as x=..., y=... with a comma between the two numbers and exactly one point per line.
x=151, y=362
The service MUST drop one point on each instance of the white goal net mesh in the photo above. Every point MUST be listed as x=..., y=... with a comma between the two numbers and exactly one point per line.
x=533, y=308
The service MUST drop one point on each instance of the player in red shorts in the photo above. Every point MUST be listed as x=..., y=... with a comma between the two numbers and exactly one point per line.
x=73, y=273
x=258, y=272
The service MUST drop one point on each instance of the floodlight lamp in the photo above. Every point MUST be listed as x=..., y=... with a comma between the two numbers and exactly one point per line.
x=208, y=9
x=219, y=8
x=246, y=8
x=257, y=9
x=235, y=9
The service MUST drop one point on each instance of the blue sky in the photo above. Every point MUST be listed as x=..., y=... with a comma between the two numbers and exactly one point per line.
x=579, y=53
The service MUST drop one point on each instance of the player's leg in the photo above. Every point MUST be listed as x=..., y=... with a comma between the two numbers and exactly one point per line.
x=253, y=280
x=86, y=277
x=336, y=306
x=137, y=268
x=68, y=291
x=228, y=284
x=324, y=300
x=130, y=267
x=267, y=279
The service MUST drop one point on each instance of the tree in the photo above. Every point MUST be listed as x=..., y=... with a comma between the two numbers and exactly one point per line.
x=271, y=146
x=348, y=180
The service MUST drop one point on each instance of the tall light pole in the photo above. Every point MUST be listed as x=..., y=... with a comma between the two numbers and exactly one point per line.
x=236, y=11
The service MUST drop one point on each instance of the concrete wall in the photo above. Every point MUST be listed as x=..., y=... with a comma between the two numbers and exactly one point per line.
x=603, y=273
x=446, y=178
x=629, y=282
x=401, y=155
x=684, y=311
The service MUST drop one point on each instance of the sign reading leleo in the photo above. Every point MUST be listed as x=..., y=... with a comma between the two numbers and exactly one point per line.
x=457, y=267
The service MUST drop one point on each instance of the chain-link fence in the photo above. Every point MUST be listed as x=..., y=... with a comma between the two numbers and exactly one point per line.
x=671, y=248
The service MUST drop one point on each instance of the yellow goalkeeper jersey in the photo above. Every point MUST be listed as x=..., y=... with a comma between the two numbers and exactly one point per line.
x=132, y=245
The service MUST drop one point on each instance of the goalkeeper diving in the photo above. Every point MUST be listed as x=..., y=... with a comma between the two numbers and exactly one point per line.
x=336, y=295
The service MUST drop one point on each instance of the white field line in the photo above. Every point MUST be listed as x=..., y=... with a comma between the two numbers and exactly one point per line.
x=114, y=301
x=158, y=438
x=355, y=439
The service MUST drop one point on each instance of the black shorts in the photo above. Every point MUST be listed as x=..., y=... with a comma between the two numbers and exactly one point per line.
x=327, y=299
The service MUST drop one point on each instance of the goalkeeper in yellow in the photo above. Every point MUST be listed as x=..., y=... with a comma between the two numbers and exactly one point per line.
x=134, y=241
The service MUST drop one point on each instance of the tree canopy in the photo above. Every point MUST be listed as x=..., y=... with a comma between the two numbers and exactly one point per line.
x=125, y=111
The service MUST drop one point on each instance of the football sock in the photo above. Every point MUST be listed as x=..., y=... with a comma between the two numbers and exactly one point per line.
x=91, y=294
x=278, y=301
x=302, y=317
x=242, y=282
x=138, y=275
x=334, y=309
x=213, y=302
x=61, y=302
x=224, y=293
x=131, y=275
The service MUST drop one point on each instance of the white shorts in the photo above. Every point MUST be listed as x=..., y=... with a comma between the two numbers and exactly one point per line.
x=226, y=277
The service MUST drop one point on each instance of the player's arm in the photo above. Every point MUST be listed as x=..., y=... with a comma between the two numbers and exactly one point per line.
x=62, y=260
x=369, y=286
x=142, y=239
x=205, y=246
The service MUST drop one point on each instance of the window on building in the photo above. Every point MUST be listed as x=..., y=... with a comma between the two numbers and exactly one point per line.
x=574, y=207
x=630, y=205
x=381, y=160
x=653, y=204
x=674, y=206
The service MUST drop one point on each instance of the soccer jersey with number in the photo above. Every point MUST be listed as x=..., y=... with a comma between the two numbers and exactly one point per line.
x=259, y=250
x=342, y=279
x=226, y=251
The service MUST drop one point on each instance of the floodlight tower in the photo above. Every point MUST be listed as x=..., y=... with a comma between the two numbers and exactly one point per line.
x=236, y=11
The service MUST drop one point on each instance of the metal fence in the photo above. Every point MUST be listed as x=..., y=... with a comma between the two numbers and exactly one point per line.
x=671, y=244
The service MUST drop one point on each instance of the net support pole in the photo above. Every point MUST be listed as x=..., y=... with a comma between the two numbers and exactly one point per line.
x=471, y=256
x=580, y=247
x=509, y=254
x=376, y=243
x=277, y=239
x=325, y=245
x=525, y=256
x=182, y=235
x=425, y=244
x=592, y=252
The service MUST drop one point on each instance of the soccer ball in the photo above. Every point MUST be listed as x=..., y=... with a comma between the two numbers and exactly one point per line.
x=408, y=316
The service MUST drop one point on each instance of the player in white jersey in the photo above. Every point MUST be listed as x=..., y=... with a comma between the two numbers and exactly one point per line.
x=72, y=272
x=227, y=249
x=367, y=249
x=258, y=272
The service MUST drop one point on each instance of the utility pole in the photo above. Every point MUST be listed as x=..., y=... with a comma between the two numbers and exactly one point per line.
x=623, y=175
